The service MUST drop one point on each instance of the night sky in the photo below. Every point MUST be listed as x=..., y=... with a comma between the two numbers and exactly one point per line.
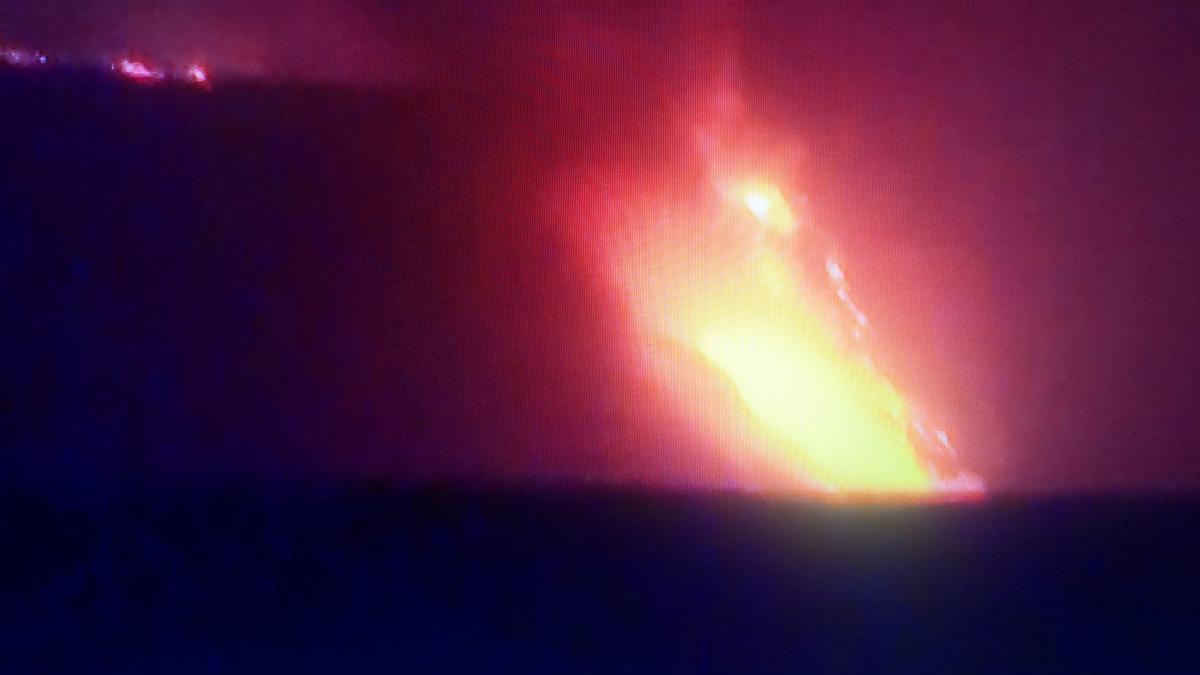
x=293, y=276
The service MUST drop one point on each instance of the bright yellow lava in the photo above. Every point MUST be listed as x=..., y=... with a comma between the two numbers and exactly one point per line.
x=827, y=415
x=821, y=414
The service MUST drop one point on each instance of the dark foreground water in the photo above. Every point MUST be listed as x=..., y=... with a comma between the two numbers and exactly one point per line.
x=368, y=579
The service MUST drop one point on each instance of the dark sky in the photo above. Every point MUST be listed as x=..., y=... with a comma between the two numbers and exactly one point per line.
x=1013, y=184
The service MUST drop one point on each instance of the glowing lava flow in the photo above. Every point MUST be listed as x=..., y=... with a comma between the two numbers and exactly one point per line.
x=726, y=288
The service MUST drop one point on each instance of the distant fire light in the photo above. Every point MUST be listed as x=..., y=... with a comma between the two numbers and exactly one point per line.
x=197, y=74
x=138, y=71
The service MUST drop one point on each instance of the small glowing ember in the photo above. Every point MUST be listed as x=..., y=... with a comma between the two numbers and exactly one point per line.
x=768, y=206
x=759, y=204
x=138, y=71
x=197, y=74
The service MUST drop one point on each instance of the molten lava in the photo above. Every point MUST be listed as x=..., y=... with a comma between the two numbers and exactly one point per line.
x=723, y=284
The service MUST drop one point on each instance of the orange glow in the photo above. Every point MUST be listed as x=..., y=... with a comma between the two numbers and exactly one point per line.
x=811, y=411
